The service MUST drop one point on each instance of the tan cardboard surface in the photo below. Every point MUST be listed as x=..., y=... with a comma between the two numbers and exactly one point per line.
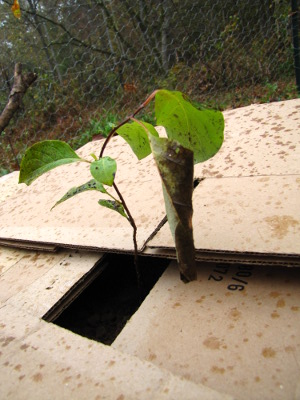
x=45, y=292
x=42, y=361
x=245, y=214
x=9, y=185
x=9, y=257
x=24, y=272
x=261, y=139
x=81, y=221
x=261, y=142
x=35, y=282
x=241, y=340
x=249, y=201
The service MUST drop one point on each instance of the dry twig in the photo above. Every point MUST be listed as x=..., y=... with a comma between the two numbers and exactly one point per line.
x=21, y=84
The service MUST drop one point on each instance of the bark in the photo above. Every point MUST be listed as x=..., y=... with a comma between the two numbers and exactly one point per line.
x=111, y=23
x=20, y=86
x=39, y=27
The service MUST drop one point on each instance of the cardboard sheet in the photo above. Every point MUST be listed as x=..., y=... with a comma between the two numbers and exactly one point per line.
x=256, y=216
x=43, y=361
x=81, y=222
x=8, y=186
x=247, y=208
x=259, y=140
x=38, y=282
x=235, y=329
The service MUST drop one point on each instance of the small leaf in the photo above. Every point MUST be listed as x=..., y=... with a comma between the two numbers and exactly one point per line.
x=44, y=156
x=113, y=205
x=137, y=138
x=104, y=170
x=176, y=168
x=198, y=130
x=94, y=156
x=90, y=185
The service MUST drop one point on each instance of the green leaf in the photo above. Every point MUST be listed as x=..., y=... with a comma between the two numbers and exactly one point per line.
x=198, y=130
x=113, y=205
x=44, y=156
x=94, y=156
x=90, y=185
x=176, y=168
x=104, y=170
x=137, y=138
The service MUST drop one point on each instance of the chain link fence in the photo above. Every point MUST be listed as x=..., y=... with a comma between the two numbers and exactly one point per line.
x=96, y=60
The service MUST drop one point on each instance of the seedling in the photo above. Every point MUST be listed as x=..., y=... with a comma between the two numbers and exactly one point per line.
x=193, y=136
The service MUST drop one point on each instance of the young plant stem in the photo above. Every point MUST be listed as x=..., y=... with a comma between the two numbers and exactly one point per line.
x=132, y=223
x=130, y=218
x=127, y=119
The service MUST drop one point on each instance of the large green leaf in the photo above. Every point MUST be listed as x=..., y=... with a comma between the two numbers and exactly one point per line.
x=113, y=205
x=198, y=130
x=176, y=168
x=137, y=138
x=104, y=170
x=90, y=185
x=44, y=156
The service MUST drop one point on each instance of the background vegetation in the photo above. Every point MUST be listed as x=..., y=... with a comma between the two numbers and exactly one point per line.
x=96, y=59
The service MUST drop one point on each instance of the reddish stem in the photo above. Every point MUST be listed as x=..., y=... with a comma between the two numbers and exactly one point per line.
x=127, y=119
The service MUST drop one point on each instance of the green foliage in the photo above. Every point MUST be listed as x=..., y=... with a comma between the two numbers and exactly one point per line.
x=218, y=55
x=148, y=117
x=198, y=130
x=273, y=92
x=114, y=205
x=104, y=170
x=3, y=171
x=100, y=125
x=192, y=136
x=44, y=156
x=136, y=136
x=90, y=185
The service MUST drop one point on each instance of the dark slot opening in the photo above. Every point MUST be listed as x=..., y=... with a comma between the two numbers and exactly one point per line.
x=101, y=311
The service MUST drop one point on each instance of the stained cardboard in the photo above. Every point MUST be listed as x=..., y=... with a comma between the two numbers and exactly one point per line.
x=81, y=222
x=259, y=140
x=9, y=185
x=43, y=361
x=37, y=282
x=28, y=269
x=235, y=329
x=9, y=257
x=245, y=210
x=256, y=216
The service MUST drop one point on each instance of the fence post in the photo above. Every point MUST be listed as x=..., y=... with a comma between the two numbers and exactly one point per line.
x=295, y=33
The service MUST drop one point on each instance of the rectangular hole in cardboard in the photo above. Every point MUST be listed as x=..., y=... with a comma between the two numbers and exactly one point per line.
x=101, y=311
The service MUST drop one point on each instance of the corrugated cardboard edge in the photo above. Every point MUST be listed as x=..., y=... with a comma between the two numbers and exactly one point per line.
x=27, y=245
x=275, y=259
